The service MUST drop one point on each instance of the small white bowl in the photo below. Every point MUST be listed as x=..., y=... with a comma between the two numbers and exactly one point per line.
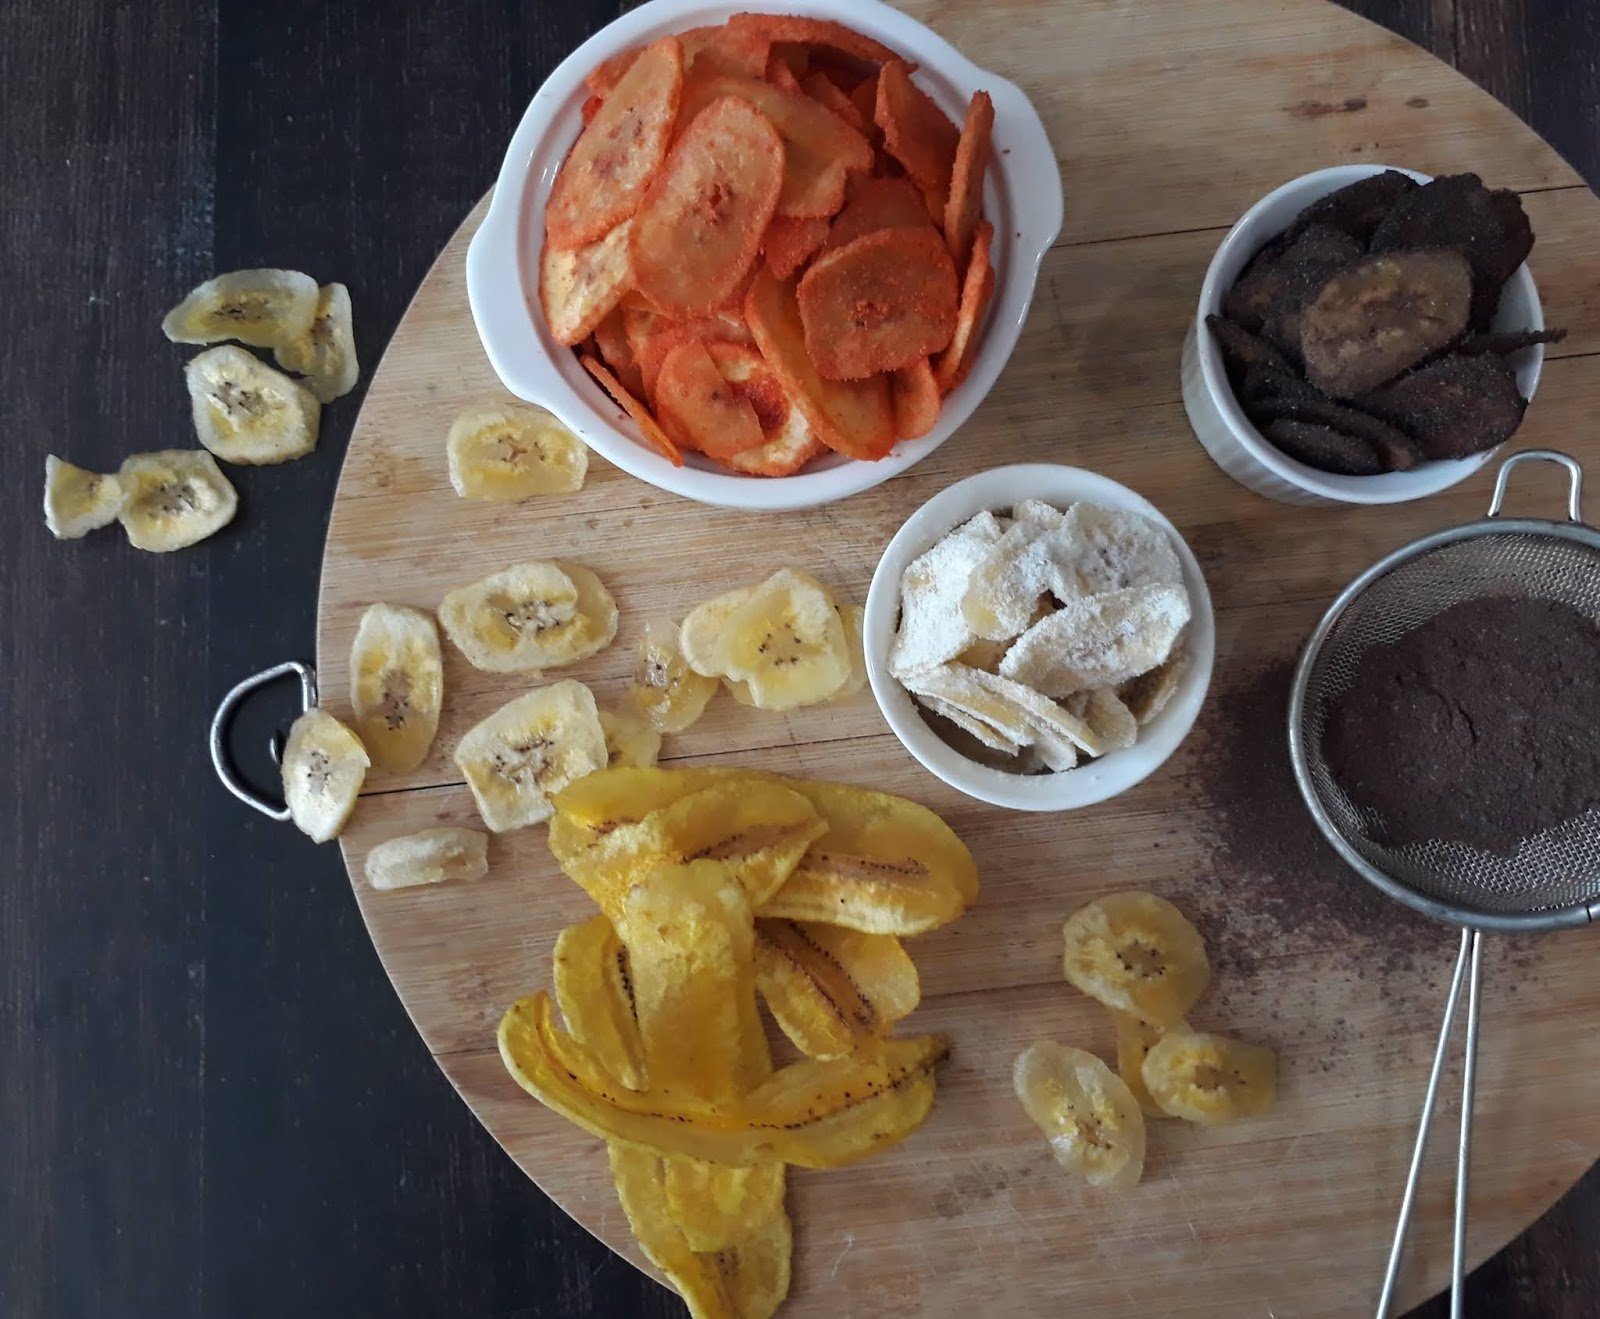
x=1097, y=780
x=1230, y=437
x=1022, y=196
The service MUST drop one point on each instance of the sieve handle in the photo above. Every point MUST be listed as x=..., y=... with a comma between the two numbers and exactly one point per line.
x=1574, y=480
x=222, y=721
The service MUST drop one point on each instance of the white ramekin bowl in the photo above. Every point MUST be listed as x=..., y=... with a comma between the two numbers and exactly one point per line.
x=1022, y=196
x=1098, y=780
x=1231, y=438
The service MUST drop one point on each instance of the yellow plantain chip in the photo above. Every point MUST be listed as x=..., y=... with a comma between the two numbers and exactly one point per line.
x=1086, y=1112
x=1136, y=952
x=1210, y=1078
x=830, y=989
x=529, y=749
x=530, y=616
x=594, y=989
x=814, y=1114
x=717, y=1205
x=506, y=452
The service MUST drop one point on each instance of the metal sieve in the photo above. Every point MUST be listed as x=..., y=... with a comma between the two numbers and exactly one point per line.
x=1553, y=880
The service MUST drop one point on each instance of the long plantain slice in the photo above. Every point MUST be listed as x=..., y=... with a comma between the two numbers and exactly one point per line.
x=396, y=685
x=263, y=308
x=324, y=765
x=528, y=750
x=326, y=353
x=833, y=990
x=594, y=989
x=246, y=411
x=507, y=452
x=433, y=856
x=718, y=1205
x=529, y=617
x=77, y=502
x=174, y=498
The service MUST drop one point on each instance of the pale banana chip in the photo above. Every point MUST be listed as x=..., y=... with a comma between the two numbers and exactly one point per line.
x=1056, y=752
x=324, y=765
x=263, y=308
x=174, y=498
x=396, y=685
x=1019, y=712
x=529, y=617
x=1149, y=694
x=434, y=856
x=629, y=741
x=986, y=733
x=507, y=452
x=76, y=501
x=248, y=412
x=702, y=629
x=326, y=353
x=854, y=618
x=1099, y=641
x=1108, y=718
x=665, y=690
x=528, y=750
x=578, y=286
x=787, y=642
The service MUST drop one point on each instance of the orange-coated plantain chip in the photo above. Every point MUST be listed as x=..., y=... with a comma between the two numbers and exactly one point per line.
x=825, y=92
x=820, y=150
x=916, y=399
x=788, y=442
x=916, y=132
x=602, y=80
x=790, y=243
x=864, y=96
x=823, y=32
x=610, y=166
x=579, y=287
x=647, y=424
x=594, y=991
x=833, y=990
x=659, y=336
x=879, y=303
x=976, y=290
x=781, y=73
x=1210, y=1078
x=965, y=207
x=699, y=409
x=853, y=417
x=590, y=108
x=873, y=203
x=728, y=50
x=814, y=1114
x=699, y=227
x=611, y=338
x=1137, y=953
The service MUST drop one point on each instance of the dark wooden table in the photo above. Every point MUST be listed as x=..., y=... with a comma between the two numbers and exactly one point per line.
x=211, y=1102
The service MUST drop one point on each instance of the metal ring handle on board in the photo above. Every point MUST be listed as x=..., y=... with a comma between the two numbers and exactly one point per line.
x=222, y=721
x=1502, y=482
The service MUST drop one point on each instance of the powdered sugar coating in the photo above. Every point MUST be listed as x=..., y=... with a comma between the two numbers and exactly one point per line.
x=1099, y=641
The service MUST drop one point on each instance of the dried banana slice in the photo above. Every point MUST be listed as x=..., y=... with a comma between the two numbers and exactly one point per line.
x=1149, y=694
x=324, y=765
x=787, y=642
x=1108, y=718
x=1137, y=953
x=263, y=308
x=1135, y=1039
x=396, y=685
x=246, y=411
x=1017, y=712
x=854, y=619
x=665, y=690
x=326, y=353
x=1210, y=1078
x=629, y=742
x=1099, y=641
x=507, y=452
x=77, y=502
x=174, y=498
x=1086, y=1111
x=529, y=617
x=702, y=630
x=434, y=856
x=986, y=733
x=528, y=750
x=933, y=628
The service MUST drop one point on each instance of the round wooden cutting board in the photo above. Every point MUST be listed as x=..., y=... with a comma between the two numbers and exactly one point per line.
x=1169, y=119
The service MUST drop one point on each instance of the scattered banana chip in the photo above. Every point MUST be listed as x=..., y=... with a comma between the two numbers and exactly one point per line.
x=530, y=617
x=326, y=353
x=1135, y=1038
x=263, y=308
x=702, y=630
x=785, y=641
x=629, y=741
x=1099, y=640
x=665, y=690
x=1137, y=953
x=77, y=502
x=854, y=619
x=324, y=765
x=434, y=856
x=396, y=685
x=1210, y=1078
x=528, y=750
x=246, y=411
x=508, y=452
x=1086, y=1111
x=174, y=498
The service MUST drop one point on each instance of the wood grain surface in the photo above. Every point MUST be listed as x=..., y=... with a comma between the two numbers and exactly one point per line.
x=212, y=1101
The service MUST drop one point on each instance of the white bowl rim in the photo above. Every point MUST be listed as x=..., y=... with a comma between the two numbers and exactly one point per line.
x=1099, y=780
x=1391, y=487
x=515, y=340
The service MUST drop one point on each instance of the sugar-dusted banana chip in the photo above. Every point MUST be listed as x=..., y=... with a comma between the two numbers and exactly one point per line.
x=833, y=990
x=933, y=628
x=665, y=690
x=77, y=502
x=529, y=617
x=1099, y=640
x=594, y=989
x=1111, y=722
x=505, y=452
x=248, y=412
x=1001, y=592
x=433, y=856
x=1137, y=953
x=787, y=642
x=263, y=308
x=1085, y=1110
x=1018, y=712
x=1210, y=1078
x=324, y=765
x=701, y=632
x=326, y=353
x=1135, y=1038
x=1149, y=694
x=1111, y=549
x=528, y=750
x=986, y=733
x=629, y=740
x=396, y=685
x=174, y=498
